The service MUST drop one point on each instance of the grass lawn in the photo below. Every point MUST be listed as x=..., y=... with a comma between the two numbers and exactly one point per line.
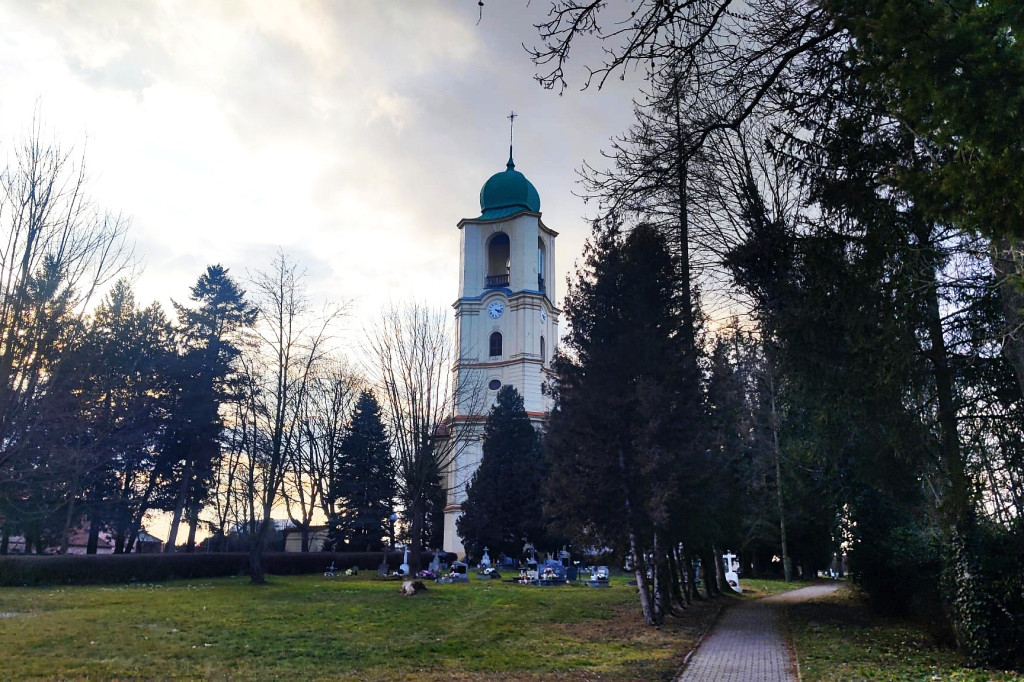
x=839, y=638
x=304, y=627
x=756, y=587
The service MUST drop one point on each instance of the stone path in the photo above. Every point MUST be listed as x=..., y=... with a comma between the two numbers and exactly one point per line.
x=745, y=645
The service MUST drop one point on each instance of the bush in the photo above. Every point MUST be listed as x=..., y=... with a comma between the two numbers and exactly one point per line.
x=117, y=568
x=126, y=568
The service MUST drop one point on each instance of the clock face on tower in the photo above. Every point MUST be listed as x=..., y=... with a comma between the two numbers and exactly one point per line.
x=495, y=309
x=543, y=315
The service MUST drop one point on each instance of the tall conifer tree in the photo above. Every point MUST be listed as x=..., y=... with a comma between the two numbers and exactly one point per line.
x=209, y=348
x=364, y=486
x=615, y=433
x=503, y=499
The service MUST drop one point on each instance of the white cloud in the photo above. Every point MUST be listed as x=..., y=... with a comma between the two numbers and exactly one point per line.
x=355, y=133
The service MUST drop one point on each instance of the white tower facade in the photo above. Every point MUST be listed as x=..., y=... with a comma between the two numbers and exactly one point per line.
x=506, y=319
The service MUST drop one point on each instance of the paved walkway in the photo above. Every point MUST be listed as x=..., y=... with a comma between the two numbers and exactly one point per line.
x=745, y=645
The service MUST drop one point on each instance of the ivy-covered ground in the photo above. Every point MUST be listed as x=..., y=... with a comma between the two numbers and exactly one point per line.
x=359, y=628
x=837, y=638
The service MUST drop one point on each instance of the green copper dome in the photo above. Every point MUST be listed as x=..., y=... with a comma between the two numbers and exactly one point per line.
x=507, y=193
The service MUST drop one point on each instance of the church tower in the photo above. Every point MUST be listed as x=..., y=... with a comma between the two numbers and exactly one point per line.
x=506, y=319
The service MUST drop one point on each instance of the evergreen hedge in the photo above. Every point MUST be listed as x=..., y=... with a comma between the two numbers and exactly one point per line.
x=35, y=570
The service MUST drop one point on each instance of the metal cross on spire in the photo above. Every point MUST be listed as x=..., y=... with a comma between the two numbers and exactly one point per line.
x=512, y=122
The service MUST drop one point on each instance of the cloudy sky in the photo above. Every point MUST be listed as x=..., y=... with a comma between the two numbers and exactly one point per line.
x=352, y=134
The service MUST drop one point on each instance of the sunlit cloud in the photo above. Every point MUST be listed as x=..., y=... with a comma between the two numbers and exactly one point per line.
x=354, y=135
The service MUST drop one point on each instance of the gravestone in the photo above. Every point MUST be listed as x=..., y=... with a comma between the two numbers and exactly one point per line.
x=599, y=577
x=551, y=573
x=404, y=568
x=731, y=577
x=459, y=572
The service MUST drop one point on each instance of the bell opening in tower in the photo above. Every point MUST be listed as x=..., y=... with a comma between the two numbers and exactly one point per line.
x=499, y=251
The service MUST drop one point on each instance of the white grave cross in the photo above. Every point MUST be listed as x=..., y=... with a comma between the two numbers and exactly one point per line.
x=730, y=571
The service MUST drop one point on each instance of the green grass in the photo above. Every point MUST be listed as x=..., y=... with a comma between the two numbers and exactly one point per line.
x=765, y=588
x=304, y=627
x=839, y=638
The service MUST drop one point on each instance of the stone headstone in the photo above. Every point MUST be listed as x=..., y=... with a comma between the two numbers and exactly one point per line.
x=599, y=577
x=459, y=572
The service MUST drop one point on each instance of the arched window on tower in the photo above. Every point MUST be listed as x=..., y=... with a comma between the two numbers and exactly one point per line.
x=543, y=357
x=540, y=266
x=495, y=344
x=499, y=251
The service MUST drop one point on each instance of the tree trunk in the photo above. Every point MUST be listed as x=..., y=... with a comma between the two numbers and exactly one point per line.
x=640, y=574
x=193, y=526
x=131, y=532
x=707, y=560
x=133, y=536
x=179, y=508
x=677, y=578
x=416, y=530
x=663, y=574
x=1006, y=264
x=94, y=535
x=65, y=539
x=692, y=594
x=257, y=570
x=635, y=554
x=787, y=564
x=719, y=573
x=957, y=503
x=968, y=582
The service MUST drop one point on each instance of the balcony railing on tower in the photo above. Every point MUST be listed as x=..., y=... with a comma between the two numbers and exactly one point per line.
x=496, y=281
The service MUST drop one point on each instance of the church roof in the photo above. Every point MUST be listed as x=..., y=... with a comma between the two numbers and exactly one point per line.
x=507, y=193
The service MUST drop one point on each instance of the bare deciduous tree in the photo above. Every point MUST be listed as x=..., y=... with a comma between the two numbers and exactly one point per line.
x=313, y=463
x=290, y=342
x=57, y=250
x=414, y=355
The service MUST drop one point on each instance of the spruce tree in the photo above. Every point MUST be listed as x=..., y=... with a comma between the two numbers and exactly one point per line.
x=209, y=346
x=503, y=499
x=364, y=486
x=618, y=446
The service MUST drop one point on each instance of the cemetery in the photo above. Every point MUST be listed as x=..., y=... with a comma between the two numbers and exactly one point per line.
x=361, y=628
x=358, y=625
x=358, y=421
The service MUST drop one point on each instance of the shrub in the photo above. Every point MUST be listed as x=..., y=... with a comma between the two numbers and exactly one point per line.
x=125, y=568
x=117, y=568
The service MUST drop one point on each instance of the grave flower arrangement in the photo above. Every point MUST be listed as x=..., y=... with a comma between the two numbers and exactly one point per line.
x=426, y=574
